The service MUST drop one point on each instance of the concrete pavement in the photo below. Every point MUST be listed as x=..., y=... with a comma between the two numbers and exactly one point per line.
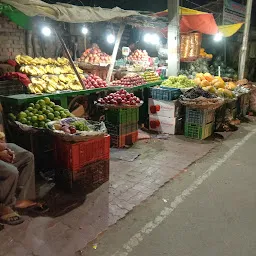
x=209, y=210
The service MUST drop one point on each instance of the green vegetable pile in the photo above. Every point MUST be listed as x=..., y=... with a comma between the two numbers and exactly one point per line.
x=80, y=126
x=178, y=82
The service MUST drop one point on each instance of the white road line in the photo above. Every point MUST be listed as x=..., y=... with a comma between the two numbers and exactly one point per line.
x=136, y=239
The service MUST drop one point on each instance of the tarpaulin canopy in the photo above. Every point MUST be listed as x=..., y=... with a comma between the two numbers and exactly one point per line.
x=16, y=16
x=67, y=12
x=230, y=30
x=193, y=20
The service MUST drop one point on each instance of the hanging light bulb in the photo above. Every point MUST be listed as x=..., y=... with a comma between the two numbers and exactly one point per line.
x=46, y=31
x=84, y=30
x=111, y=38
x=218, y=37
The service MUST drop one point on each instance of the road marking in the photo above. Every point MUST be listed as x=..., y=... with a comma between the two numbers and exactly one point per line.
x=136, y=239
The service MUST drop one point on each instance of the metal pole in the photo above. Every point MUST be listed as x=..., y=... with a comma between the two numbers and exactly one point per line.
x=115, y=50
x=173, y=38
x=243, y=53
x=70, y=59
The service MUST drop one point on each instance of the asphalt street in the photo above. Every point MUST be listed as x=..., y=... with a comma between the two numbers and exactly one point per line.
x=209, y=210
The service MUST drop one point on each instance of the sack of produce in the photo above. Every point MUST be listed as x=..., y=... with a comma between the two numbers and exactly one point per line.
x=76, y=129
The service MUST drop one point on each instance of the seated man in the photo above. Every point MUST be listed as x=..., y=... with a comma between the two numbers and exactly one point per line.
x=17, y=180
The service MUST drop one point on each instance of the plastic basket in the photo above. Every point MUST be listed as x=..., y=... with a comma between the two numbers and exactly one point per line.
x=198, y=131
x=122, y=115
x=121, y=129
x=123, y=140
x=87, y=178
x=74, y=156
x=200, y=117
x=165, y=93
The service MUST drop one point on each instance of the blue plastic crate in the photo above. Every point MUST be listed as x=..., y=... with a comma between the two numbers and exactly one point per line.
x=200, y=117
x=166, y=94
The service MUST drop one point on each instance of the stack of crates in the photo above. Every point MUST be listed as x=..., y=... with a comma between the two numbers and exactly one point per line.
x=199, y=124
x=82, y=165
x=165, y=112
x=122, y=126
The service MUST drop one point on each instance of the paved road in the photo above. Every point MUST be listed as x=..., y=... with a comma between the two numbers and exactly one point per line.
x=209, y=210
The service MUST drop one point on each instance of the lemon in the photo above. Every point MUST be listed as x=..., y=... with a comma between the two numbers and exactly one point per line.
x=56, y=114
x=34, y=119
x=12, y=117
x=22, y=115
x=50, y=116
x=47, y=100
x=30, y=109
x=37, y=106
x=40, y=117
x=41, y=102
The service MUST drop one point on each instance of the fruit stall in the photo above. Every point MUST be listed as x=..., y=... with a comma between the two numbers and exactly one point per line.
x=77, y=146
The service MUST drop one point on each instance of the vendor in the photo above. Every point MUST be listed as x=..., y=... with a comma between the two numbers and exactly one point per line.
x=17, y=179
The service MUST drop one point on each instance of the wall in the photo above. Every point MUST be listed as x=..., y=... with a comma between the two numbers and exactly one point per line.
x=12, y=39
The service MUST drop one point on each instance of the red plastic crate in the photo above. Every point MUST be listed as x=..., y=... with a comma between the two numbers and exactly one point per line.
x=87, y=178
x=121, y=141
x=74, y=156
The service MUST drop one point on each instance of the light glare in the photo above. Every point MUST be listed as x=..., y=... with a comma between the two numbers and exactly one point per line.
x=84, y=30
x=111, y=38
x=46, y=31
x=152, y=39
x=218, y=37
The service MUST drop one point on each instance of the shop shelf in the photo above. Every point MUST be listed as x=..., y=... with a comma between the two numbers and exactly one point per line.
x=198, y=131
x=88, y=178
x=122, y=115
x=123, y=140
x=121, y=129
x=165, y=93
x=74, y=156
x=200, y=117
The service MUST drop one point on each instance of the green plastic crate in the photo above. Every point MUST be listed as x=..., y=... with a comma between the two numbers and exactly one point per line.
x=199, y=117
x=200, y=132
x=122, y=115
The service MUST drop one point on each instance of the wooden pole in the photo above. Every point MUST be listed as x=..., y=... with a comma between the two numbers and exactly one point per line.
x=173, y=38
x=243, y=53
x=115, y=50
x=70, y=59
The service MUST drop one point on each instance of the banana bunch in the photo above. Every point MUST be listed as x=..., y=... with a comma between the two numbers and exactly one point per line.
x=75, y=85
x=22, y=59
x=67, y=78
x=37, y=85
x=27, y=60
x=33, y=70
x=62, y=61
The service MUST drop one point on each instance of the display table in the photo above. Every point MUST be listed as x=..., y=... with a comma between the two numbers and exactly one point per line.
x=20, y=99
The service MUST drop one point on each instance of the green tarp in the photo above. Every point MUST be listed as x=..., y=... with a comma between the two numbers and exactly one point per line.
x=16, y=16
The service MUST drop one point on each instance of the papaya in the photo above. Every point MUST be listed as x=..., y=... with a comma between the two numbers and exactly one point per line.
x=205, y=83
x=219, y=85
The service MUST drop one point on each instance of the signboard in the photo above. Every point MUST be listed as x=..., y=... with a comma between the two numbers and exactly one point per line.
x=233, y=12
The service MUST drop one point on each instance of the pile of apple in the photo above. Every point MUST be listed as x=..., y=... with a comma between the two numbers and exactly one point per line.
x=92, y=82
x=121, y=97
x=139, y=55
x=94, y=55
x=129, y=81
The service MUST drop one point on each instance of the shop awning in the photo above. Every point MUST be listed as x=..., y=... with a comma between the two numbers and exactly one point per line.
x=16, y=16
x=193, y=20
x=230, y=30
x=69, y=13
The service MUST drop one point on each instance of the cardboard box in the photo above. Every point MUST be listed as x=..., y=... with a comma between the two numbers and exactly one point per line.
x=162, y=108
x=166, y=124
